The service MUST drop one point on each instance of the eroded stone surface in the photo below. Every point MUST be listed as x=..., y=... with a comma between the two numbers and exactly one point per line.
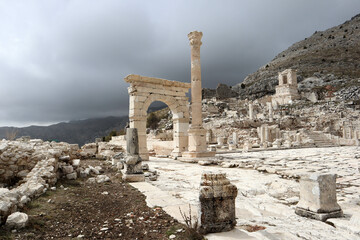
x=269, y=199
x=217, y=203
x=318, y=197
x=133, y=161
x=17, y=220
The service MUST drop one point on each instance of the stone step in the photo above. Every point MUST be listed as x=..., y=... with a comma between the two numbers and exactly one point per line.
x=320, y=140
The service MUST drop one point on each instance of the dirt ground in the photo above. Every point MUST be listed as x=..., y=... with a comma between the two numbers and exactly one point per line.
x=111, y=210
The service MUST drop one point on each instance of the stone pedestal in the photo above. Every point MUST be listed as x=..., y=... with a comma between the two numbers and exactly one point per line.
x=247, y=146
x=287, y=144
x=276, y=143
x=197, y=147
x=133, y=171
x=217, y=203
x=318, y=197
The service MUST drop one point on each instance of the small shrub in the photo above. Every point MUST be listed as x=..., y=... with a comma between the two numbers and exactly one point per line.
x=152, y=121
x=192, y=228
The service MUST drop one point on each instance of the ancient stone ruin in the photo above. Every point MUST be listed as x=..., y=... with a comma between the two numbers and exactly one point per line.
x=217, y=203
x=145, y=90
x=197, y=134
x=318, y=197
x=133, y=171
x=287, y=90
x=188, y=142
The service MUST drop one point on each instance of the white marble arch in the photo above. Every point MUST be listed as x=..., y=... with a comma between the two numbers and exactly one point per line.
x=145, y=90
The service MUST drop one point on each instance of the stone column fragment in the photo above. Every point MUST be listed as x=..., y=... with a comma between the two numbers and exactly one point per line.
x=217, y=203
x=251, y=111
x=318, y=197
x=133, y=164
x=235, y=138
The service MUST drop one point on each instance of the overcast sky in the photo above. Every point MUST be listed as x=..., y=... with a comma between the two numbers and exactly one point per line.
x=66, y=60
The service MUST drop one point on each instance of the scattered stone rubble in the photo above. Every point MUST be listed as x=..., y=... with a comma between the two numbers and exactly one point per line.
x=269, y=200
x=100, y=150
x=31, y=167
x=17, y=158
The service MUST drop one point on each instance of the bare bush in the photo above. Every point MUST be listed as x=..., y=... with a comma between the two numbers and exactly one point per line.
x=11, y=134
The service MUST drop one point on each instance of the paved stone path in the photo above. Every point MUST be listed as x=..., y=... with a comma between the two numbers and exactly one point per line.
x=268, y=190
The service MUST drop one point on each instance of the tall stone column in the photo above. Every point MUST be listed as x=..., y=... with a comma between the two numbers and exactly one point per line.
x=271, y=117
x=251, y=111
x=197, y=134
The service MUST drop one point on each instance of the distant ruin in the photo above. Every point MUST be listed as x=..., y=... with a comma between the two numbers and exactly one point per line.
x=287, y=90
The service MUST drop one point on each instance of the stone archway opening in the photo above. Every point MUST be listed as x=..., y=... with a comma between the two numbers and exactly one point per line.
x=145, y=90
x=159, y=126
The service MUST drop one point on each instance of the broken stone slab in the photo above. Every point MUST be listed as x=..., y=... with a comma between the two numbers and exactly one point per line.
x=318, y=197
x=71, y=176
x=134, y=177
x=102, y=179
x=217, y=203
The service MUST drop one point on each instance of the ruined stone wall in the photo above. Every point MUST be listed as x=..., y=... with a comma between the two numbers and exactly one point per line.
x=17, y=158
x=30, y=168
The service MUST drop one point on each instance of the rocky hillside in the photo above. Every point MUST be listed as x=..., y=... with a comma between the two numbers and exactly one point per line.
x=333, y=56
x=80, y=132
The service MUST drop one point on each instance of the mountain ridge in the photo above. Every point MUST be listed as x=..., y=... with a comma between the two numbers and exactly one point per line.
x=330, y=55
x=75, y=131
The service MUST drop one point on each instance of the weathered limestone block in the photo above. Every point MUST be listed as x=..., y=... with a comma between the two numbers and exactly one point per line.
x=318, y=197
x=217, y=203
x=133, y=171
x=17, y=220
x=247, y=146
x=277, y=143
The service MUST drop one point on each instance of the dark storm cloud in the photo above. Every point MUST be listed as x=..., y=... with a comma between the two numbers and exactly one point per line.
x=66, y=60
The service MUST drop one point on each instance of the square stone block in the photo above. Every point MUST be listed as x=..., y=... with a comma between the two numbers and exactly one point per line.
x=318, y=197
x=134, y=177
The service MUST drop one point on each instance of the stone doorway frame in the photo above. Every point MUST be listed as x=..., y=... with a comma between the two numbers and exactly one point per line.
x=145, y=90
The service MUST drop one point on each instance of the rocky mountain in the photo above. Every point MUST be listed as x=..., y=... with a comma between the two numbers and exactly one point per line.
x=330, y=57
x=80, y=132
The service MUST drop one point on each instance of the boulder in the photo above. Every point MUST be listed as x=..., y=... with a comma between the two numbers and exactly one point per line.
x=17, y=220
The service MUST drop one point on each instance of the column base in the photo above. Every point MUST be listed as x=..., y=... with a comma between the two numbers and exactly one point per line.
x=133, y=177
x=144, y=156
x=205, y=154
x=176, y=154
x=318, y=216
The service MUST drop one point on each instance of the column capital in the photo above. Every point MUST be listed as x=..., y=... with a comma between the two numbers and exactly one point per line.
x=195, y=38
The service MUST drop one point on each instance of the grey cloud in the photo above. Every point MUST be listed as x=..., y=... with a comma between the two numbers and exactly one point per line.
x=66, y=60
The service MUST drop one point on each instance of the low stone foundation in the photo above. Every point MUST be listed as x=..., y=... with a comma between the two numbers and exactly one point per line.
x=47, y=163
x=17, y=158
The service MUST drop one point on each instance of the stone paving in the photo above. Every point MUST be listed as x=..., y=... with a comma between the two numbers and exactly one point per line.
x=269, y=190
